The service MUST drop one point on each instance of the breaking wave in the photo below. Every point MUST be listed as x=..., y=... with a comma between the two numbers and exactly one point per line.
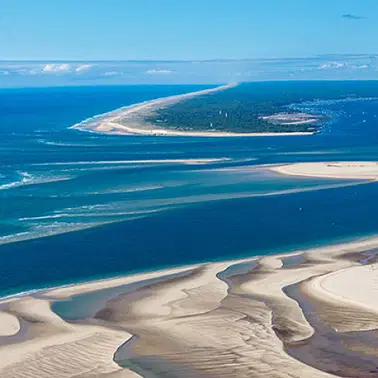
x=26, y=178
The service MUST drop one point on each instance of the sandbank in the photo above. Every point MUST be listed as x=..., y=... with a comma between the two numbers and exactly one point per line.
x=9, y=324
x=187, y=324
x=362, y=170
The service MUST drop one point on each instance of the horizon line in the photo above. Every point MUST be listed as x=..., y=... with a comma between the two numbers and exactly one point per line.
x=319, y=56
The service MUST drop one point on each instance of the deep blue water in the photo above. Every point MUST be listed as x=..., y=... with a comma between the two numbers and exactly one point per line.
x=126, y=215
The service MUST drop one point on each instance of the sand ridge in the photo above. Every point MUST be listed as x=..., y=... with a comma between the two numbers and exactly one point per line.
x=362, y=170
x=198, y=324
x=9, y=324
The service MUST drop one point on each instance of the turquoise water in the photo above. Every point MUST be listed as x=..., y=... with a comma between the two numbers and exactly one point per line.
x=76, y=206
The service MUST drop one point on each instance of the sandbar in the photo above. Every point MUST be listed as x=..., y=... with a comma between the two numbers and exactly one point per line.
x=361, y=170
x=197, y=324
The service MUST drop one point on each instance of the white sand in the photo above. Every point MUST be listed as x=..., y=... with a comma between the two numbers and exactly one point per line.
x=57, y=349
x=193, y=321
x=356, y=285
x=9, y=324
x=169, y=301
x=338, y=170
x=87, y=287
x=116, y=128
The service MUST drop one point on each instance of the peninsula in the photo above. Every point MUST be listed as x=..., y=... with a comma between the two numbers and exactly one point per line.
x=245, y=109
x=180, y=116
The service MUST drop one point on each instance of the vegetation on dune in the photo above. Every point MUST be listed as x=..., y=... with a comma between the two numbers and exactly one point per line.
x=239, y=109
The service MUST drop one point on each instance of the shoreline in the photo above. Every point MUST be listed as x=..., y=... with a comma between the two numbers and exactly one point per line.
x=129, y=120
x=94, y=285
x=98, y=283
x=89, y=285
x=218, y=306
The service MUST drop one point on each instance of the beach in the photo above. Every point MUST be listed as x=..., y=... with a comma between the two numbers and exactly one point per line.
x=233, y=318
x=130, y=120
x=185, y=257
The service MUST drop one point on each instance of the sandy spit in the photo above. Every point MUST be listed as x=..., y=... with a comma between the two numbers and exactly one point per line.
x=130, y=119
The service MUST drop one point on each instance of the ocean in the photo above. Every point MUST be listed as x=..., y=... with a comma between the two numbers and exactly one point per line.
x=76, y=206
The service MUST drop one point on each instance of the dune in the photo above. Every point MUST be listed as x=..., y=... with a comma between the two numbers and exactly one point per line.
x=226, y=319
x=363, y=293
x=54, y=348
x=349, y=297
x=9, y=324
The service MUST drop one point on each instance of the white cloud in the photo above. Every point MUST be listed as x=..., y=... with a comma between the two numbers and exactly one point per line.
x=159, y=72
x=113, y=73
x=5, y=73
x=332, y=65
x=56, y=68
x=62, y=68
x=337, y=65
x=27, y=71
x=83, y=67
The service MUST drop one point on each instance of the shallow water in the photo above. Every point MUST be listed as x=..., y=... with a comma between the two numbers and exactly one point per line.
x=130, y=215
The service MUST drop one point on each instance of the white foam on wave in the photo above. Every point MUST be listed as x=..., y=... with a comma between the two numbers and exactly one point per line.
x=26, y=178
x=63, y=144
x=43, y=230
x=129, y=190
x=90, y=214
x=21, y=294
x=117, y=212
x=107, y=167
x=5, y=238
x=98, y=117
x=40, y=230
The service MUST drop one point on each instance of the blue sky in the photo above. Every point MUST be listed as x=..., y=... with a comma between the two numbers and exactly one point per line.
x=260, y=39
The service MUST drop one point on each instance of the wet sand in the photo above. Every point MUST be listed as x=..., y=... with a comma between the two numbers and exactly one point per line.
x=297, y=314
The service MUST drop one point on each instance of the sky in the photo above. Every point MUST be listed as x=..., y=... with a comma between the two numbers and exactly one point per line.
x=85, y=40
